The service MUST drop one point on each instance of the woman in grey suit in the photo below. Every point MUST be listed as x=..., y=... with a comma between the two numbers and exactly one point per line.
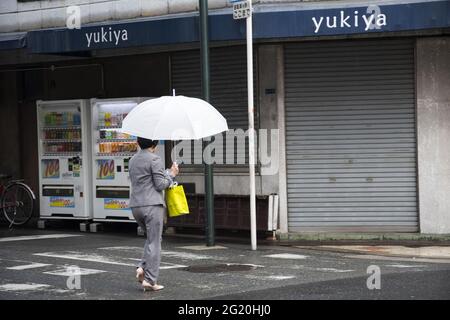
x=148, y=180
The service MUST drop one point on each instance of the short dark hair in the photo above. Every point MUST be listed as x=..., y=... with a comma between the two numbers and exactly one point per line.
x=146, y=143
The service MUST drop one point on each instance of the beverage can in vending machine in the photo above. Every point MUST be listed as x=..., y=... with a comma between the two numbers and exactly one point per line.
x=107, y=119
x=101, y=119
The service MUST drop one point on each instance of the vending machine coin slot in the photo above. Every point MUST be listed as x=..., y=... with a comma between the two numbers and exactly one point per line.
x=70, y=162
x=126, y=161
x=76, y=166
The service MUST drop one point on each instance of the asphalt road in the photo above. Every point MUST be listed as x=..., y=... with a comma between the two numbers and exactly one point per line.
x=40, y=264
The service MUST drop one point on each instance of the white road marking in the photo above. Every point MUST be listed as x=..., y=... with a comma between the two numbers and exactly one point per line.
x=23, y=287
x=333, y=270
x=246, y=264
x=273, y=277
x=188, y=255
x=47, y=236
x=286, y=256
x=174, y=254
x=72, y=255
x=68, y=271
x=169, y=265
x=202, y=248
x=29, y=266
x=404, y=266
x=280, y=277
x=122, y=248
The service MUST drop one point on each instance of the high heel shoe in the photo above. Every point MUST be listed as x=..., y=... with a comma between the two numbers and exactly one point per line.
x=140, y=275
x=148, y=287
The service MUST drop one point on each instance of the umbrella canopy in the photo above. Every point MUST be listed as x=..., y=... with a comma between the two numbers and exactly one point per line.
x=174, y=118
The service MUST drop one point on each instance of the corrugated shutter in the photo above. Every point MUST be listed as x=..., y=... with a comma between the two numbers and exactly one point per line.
x=350, y=136
x=228, y=72
x=228, y=69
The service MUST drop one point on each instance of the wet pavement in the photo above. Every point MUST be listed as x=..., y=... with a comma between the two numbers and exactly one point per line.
x=55, y=264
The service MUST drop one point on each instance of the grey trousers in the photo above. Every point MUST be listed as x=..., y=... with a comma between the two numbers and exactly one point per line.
x=150, y=219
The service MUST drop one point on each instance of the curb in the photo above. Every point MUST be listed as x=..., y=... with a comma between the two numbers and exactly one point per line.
x=287, y=237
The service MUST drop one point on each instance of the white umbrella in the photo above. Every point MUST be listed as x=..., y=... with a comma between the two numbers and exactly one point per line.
x=174, y=118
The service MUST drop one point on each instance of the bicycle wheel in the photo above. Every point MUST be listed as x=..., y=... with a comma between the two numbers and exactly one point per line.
x=17, y=203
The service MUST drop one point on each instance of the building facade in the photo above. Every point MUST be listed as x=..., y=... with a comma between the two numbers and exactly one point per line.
x=359, y=93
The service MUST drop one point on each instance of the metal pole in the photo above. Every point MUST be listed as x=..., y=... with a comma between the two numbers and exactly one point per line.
x=209, y=178
x=251, y=127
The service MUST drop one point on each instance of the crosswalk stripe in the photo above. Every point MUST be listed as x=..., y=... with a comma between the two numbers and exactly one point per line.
x=168, y=265
x=286, y=256
x=73, y=271
x=23, y=287
x=47, y=236
x=29, y=266
x=83, y=257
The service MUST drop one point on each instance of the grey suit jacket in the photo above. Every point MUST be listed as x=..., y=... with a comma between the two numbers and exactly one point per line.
x=148, y=179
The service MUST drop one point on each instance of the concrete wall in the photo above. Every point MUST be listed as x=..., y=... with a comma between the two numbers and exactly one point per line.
x=23, y=16
x=433, y=130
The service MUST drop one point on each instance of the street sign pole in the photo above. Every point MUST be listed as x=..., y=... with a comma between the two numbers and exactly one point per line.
x=209, y=177
x=251, y=126
x=241, y=10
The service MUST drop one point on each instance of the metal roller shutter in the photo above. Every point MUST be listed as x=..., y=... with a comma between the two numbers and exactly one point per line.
x=228, y=68
x=350, y=136
x=228, y=72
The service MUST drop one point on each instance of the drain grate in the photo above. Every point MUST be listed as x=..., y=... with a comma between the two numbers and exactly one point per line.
x=216, y=268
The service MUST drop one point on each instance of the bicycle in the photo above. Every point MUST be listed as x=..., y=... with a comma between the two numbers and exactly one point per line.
x=16, y=200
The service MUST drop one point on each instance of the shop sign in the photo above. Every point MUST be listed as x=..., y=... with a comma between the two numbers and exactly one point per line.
x=371, y=19
x=106, y=36
x=296, y=20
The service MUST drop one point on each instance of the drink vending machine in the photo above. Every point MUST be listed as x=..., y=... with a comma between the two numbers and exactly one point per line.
x=64, y=159
x=112, y=151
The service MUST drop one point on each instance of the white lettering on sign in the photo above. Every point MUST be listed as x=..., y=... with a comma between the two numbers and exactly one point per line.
x=373, y=20
x=106, y=36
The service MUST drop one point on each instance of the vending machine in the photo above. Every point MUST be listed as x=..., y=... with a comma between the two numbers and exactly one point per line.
x=112, y=151
x=64, y=159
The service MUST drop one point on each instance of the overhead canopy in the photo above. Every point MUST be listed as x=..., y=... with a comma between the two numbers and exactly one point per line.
x=304, y=19
x=16, y=40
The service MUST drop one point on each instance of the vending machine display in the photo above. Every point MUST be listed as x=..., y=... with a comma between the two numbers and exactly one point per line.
x=112, y=151
x=64, y=159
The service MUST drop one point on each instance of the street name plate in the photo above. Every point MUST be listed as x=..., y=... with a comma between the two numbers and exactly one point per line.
x=241, y=10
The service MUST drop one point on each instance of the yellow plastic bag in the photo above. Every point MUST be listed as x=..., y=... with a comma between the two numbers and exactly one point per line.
x=176, y=201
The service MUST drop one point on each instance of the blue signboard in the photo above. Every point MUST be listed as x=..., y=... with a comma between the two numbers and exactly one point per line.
x=300, y=20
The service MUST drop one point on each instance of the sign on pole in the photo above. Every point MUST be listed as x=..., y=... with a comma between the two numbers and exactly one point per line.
x=241, y=9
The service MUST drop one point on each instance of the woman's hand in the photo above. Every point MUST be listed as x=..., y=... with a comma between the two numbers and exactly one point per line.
x=174, y=170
